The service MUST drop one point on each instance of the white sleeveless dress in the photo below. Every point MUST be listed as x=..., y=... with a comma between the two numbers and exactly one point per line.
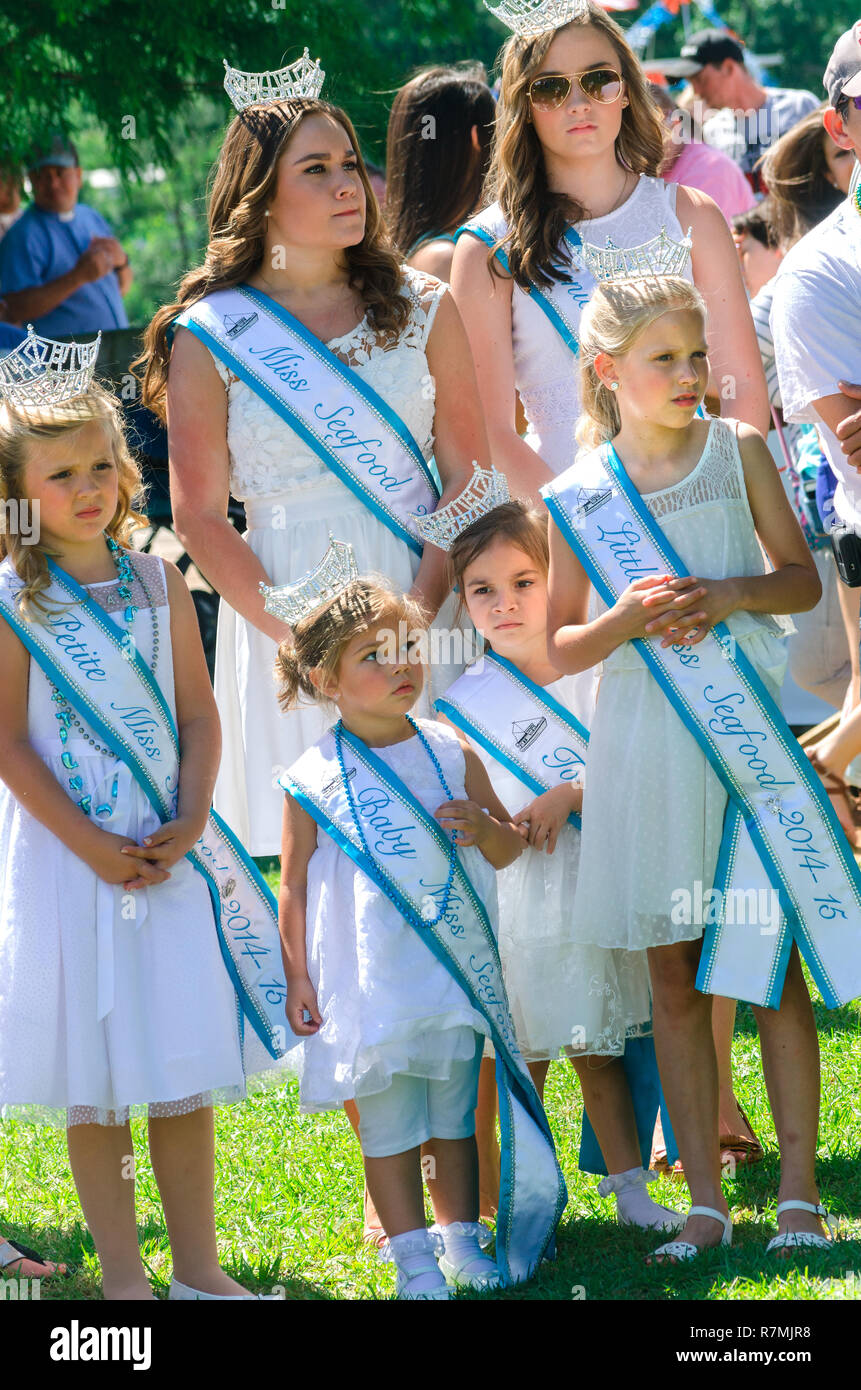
x=546, y=374
x=653, y=808
x=388, y=1005
x=169, y=1039
x=292, y=502
x=563, y=994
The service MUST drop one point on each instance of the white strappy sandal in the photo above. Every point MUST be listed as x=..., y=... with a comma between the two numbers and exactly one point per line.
x=791, y=1240
x=683, y=1250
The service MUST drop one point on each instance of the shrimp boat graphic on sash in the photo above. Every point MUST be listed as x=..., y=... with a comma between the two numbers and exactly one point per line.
x=526, y=731
x=779, y=830
x=347, y=424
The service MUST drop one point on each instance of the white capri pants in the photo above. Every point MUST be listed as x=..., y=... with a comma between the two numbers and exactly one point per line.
x=414, y=1109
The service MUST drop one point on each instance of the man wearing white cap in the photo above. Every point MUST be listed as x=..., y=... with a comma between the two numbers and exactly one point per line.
x=61, y=267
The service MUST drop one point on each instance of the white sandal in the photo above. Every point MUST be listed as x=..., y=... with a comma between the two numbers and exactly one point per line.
x=683, y=1250
x=186, y=1293
x=476, y=1270
x=791, y=1240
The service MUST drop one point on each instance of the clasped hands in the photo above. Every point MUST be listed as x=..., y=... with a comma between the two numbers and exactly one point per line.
x=680, y=611
x=118, y=859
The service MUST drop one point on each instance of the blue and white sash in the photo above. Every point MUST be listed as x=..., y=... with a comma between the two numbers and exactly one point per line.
x=408, y=860
x=343, y=419
x=779, y=819
x=564, y=300
x=518, y=722
x=79, y=648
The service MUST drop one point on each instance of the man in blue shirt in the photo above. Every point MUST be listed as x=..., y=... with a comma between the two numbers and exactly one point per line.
x=61, y=268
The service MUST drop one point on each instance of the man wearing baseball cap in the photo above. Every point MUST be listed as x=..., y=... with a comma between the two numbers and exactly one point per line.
x=749, y=117
x=61, y=268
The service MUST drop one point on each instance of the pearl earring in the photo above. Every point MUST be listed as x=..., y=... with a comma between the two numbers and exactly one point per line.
x=614, y=385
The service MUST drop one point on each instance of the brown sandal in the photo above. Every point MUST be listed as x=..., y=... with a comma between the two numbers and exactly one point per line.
x=744, y=1149
x=843, y=797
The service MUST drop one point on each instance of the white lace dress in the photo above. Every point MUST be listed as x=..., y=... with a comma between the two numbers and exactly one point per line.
x=388, y=1005
x=546, y=374
x=292, y=502
x=653, y=808
x=169, y=1036
x=564, y=993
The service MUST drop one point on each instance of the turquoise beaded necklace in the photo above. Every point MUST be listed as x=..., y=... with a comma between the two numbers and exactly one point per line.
x=452, y=858
x=65, y=716
x=856, y=198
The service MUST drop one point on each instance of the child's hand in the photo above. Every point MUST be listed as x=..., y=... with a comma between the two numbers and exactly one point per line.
x=544, y=817
x=302, y=999
x=647, y=598
x=168, y=844
x=709, y=601
x=470, y=823
x=109, y=861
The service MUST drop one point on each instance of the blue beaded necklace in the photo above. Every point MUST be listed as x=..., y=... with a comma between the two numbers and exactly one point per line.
x=422, y=921
x=65, y=715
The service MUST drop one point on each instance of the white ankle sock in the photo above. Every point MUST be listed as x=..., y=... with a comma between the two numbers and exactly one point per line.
x=634, y=1206
x=412, y=1251
x=462, y=1248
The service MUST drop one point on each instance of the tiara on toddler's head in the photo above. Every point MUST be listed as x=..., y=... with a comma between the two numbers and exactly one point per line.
x=41, y=371
x=485, y=490
x=335, y=572
x=301, y=79
x=528, y=18
x=659, y=257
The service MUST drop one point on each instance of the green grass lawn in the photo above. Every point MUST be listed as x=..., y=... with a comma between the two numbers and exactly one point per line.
x=289, y=1208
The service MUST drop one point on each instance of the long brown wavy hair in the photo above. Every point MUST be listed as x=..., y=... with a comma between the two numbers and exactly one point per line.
x=517, y=179
x=21, y=429
x=244, y=183
x=795, y=172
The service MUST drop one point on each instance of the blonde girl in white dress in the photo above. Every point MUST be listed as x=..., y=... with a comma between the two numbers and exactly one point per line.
x=292, y=215
x=594, y=162
x=114, y=998
x=651, y=794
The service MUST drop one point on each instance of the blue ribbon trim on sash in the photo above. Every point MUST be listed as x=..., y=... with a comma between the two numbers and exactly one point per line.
x=297, y=424
x=140, y=772
x=318, y=348
x=758, y=691
x=565, y=333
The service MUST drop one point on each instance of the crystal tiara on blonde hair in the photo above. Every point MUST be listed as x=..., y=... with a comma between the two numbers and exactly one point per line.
x=658, y=257
x=335, y=573
x=485, y=490
x=301, y=79
x=528, y=18
x=41, y=371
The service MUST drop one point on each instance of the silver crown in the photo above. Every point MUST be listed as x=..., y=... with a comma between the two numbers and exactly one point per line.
x=485, y=490
x=41, y=371
x=335, y=572
x=301, y=79
x=660, y=256
x=528, y=18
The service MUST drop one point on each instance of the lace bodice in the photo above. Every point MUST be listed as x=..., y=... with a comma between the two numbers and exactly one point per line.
x=545, y=373
x=268, y=457
x=707, y=519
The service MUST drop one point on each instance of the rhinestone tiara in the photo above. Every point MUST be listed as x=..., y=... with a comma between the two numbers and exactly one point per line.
x=335, y=572
x=528, y=18
x=41, y=371
x=660, y=256
x=301, y=79
x=485, y=490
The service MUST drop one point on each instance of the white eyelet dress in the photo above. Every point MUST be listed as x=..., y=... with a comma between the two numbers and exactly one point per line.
x=653, y=808
x=388, y=1005
x=292, y=502
x=72, y=946
x=564, y=994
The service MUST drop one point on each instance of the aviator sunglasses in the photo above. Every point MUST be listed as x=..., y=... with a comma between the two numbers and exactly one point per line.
x=598, y=84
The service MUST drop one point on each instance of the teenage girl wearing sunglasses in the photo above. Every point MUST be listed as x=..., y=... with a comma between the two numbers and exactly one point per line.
x=579, y=140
